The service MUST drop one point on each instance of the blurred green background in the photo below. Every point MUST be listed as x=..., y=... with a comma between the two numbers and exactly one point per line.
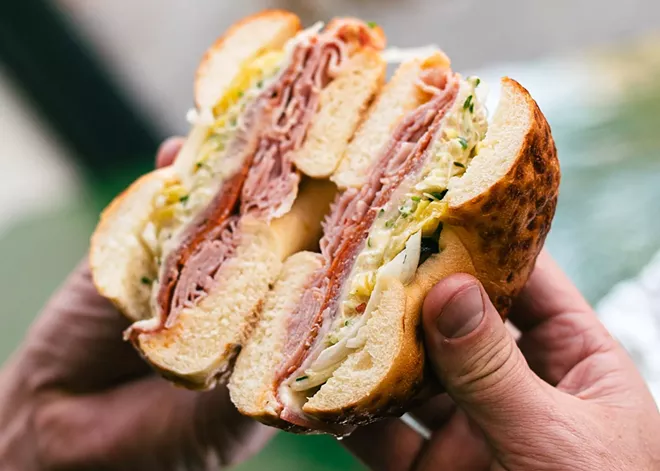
x=89, y=89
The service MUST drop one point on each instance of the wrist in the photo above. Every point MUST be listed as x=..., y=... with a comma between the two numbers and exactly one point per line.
x=18, y=447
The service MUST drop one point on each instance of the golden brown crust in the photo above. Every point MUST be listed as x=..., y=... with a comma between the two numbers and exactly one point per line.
x=505, y=227
x=219, y=43
x=129, y=207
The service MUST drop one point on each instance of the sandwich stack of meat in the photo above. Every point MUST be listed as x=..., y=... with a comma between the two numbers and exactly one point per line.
x=288, y=249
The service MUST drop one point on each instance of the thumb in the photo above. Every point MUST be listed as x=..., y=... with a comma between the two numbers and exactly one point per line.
x=478, y=361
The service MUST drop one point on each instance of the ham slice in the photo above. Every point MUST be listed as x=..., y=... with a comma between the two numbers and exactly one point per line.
x=347, y=227
x=273, y=127
x=195, y=236
x=198, y=274
x=272, y=183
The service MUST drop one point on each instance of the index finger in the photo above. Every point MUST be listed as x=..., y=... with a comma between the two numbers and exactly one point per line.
x=168, y=151
x=547, y=294
x=76, y=343
x=559, y=328
x=386, y=445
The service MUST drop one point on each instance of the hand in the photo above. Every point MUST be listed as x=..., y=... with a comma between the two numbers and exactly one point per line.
x=76, y=396
x=566, y=396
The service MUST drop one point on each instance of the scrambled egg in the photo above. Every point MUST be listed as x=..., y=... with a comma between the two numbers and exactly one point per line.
x=421, y=207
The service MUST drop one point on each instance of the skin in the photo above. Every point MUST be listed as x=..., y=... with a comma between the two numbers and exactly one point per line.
x=554, y=393
x=75, y=396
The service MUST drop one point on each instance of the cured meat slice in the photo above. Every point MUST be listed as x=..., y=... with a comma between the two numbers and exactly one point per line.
x=347, y=227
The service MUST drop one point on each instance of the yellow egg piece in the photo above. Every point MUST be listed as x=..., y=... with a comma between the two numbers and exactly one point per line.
x=251, y=73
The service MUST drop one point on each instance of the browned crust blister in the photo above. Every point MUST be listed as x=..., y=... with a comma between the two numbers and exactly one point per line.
x=505, y=227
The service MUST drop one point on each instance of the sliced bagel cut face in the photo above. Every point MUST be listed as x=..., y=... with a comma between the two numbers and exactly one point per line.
x=251, y=384
x=382, y=375
x=406, y=208
x=201, y=344
x=399, y=96
x=121, y=259
x=499, y=212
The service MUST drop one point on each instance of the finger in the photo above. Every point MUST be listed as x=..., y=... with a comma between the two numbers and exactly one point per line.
x=384, y=446
x=565, y=343
x=76, y=344
x=554, y=348
x=147, y=424
x=459, y=446
x=547, y=294
x=220, y=427
x=168, y=151
x=478, y=361
x=436, y=412
x=559, y=327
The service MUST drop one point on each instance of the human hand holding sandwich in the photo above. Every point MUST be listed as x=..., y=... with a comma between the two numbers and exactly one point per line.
x=224, y=265
x=77, y=397
x=564, y=396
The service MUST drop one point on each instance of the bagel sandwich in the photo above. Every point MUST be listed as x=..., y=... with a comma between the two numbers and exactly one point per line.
x=429, y=187
x=189, y=251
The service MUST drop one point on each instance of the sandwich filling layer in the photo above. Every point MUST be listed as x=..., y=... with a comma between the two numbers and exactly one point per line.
x=243, y=167
x=386, y=228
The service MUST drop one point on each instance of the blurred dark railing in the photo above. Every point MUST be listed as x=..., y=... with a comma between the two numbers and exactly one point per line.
x=62, y=78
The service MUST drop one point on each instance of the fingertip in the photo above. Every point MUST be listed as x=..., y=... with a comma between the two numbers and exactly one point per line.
x=168, y=151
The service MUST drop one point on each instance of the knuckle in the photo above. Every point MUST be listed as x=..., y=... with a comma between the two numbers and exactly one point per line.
x=57, y=443
x=52, y=439
x=492, y=365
